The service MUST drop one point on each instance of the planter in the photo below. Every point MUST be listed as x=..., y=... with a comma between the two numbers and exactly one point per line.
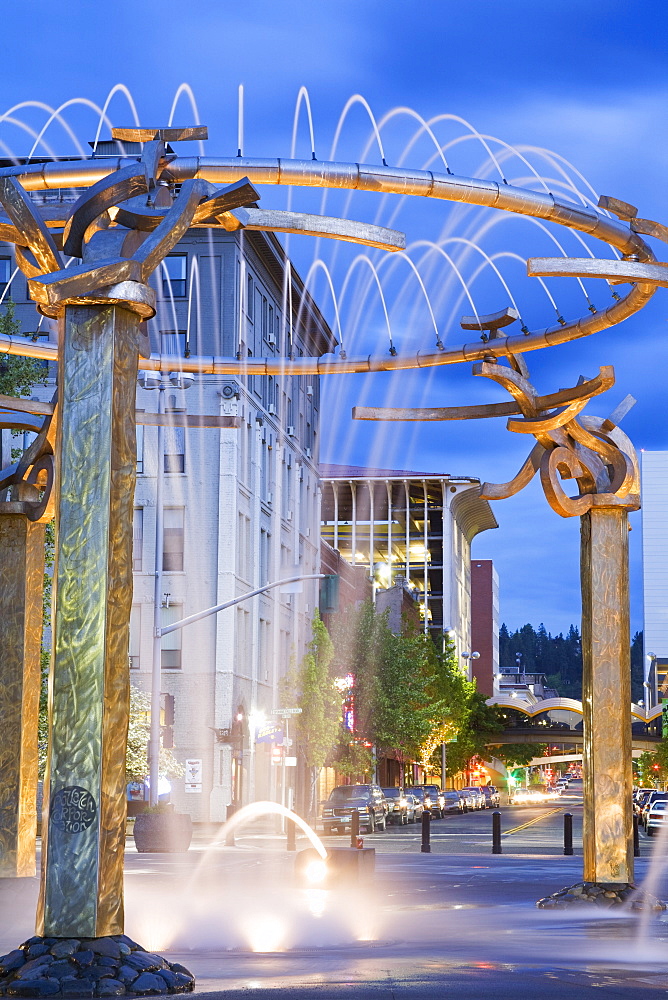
x=162, y=832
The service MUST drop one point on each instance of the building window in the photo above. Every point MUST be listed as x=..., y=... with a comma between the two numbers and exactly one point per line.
x=170, y=654
x=173, y=342
x=137, y=539
x=174, y=275
x=175, y=449
x=250, y=293
x=5, y=273
x=140, y=446
x=265, y=556
x=172, y=548
x=135, y=634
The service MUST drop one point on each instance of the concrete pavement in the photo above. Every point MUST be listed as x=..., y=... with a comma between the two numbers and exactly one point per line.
x=428, y=926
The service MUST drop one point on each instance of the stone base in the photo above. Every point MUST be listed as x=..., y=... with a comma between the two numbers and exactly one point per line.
x=609, y=895
x=89, y=967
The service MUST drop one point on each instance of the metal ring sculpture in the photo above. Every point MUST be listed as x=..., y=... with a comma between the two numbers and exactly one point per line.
x=114, y=184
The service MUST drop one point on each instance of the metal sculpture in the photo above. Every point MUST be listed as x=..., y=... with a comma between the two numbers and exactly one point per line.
x=121, y=227
x=26, y=504
x=639, y=266
x=600, y=458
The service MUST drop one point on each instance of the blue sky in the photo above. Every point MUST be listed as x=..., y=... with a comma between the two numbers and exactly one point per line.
x=587, y=80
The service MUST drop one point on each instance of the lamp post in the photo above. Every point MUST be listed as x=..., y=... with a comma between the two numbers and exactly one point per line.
x=159, y=381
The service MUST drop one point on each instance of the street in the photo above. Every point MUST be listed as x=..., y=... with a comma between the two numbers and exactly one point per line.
x=459, y=920
x=524, y=830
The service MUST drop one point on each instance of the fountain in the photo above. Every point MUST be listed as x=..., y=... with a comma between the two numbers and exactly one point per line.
x=121, y=237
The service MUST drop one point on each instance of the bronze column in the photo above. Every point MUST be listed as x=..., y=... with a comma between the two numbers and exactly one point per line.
x=82, y=865
x=21, y=584
x=606, y=696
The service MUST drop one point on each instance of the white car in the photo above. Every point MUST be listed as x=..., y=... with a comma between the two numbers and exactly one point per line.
x=528, y=797
x=656, y=816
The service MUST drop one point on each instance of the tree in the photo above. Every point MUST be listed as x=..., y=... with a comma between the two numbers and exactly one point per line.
x=18, y=375
x=479, y=728
x=650, y=768
x=518, y=754
x=451, y=695
x=136, y=753
x=311, y=687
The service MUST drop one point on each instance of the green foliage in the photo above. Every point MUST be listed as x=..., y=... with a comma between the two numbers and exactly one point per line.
x=311, y=687
x=18, y=375
x=647, y=774
x=354, y=760
x=518, y=754
x=136, y=755
x=478, y=730
x=409, y=697
x=136, y=752
x=559, y=657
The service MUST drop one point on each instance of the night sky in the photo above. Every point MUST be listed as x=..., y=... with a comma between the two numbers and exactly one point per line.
x=587, y=81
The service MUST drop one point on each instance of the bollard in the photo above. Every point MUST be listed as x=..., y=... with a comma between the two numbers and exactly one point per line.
x=568, y=833
x=291, y=836
x=496, y=832
x=354, y=828
x=426, y=833
x=230, y=840
x=636, y=837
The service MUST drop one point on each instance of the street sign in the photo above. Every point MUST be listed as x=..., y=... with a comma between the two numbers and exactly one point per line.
x=193, y=776
x=287, y=711
x=290, y=761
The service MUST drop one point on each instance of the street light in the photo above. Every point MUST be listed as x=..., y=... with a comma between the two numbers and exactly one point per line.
x=159, y=381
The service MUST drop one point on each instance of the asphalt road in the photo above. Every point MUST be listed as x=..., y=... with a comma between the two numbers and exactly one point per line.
x=459, y=921
x=524, y=830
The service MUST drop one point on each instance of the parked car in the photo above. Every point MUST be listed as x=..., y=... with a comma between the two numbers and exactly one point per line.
x=656, y=816
x=479, y=800
x=641, y=798
x=423, y=797
x=436, y=800
x=491, y=793
x=397, y=806
x=369, y=802
x=415, y=807
x=470, y=800
x=653, y=797
x=454, y=802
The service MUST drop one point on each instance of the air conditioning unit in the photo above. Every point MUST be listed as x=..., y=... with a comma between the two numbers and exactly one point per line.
x=271, y=409
x=291, y=431
x=309, y=390
x=307, y=452
x=270, y=498
x=230, y=389
x=288, y=516
x=271, y=340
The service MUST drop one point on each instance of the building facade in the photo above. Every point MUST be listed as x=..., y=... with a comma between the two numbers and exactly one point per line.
x=241, y=508
x=413, y=530
x=485, y=624
x=654, y=472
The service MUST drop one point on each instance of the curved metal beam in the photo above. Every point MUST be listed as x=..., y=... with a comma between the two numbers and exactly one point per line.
x=362, y=177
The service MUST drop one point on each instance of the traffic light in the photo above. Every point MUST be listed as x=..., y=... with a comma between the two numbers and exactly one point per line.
x=167, y=720
x=329, y=594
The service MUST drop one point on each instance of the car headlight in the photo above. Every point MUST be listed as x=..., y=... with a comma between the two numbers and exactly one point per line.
x=363, y=809
x=403, y=802
x=327, y=812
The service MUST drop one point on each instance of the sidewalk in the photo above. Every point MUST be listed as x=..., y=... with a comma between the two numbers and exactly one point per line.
x=427, y=926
